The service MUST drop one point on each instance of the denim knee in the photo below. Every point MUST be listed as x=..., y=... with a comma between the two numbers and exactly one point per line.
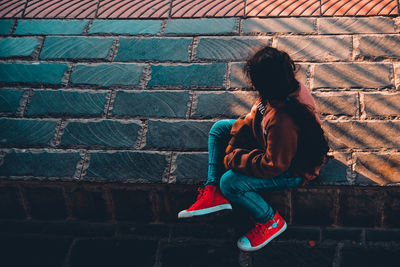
x=218, y=128
x=226, y=183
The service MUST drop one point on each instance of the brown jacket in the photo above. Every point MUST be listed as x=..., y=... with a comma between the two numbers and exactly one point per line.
x=264, y=142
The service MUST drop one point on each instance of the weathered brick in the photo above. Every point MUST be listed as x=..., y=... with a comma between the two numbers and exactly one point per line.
x=11, y=206
x=279, y=25
x=159, y=49
x=62, y=102
x=237, y=77
x=382, y=104
x=201, y=26
x=378, y=46
x=362, y=134
x=126, y=166
x=228, y=48
x=40, y=164
x=191, y=167
x=396, y=67
x=225, y=104
x=380, y=168
x=133, y=27
x=88, y=204
x=76, y=48
x=22, y=47
x=26, y=132
x=336, y=103
x=316, y=48
x=5, y=26
x=391, y=210
x=212, y=75
x=107, y=74
x=9, y=100
x=355, y=25
x=352, y=234
x=302, y=73
x=313, y=206
x=370, y=256
x=382, y=235
x=50, y=26
x=51, y=73
x=151, y=104
x=359, y=208
x=334, y=172
x=132, y=205
x=100, y=133
x=187, y=135
x=45, y=202
x=364, y=75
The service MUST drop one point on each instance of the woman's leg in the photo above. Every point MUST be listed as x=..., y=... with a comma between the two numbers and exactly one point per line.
x=241, y=189
x=218, y=139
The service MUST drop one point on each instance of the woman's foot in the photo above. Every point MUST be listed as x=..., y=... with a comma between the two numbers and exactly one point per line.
x=262, y=234
x=210, y=199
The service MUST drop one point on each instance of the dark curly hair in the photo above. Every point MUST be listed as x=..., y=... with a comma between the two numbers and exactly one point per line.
x=272, y=74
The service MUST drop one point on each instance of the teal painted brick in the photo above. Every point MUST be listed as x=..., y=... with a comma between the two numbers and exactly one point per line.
x=5, y=26
x=191, y=167
x=132, y=27
x=26, y=132
x=122, y=166
x=9, y=100
x=66, y=103
x=107, y=74
x=50, y=26
x=11, y=47
x=100, y=133
x=230, y=48
x=188, y=75
x=76, y=47
x=50, y=73
x=151, y=104
x=161, y=49
x=201, y=26
x=43, y=164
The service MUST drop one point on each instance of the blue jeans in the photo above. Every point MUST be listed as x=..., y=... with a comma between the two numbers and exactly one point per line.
x=237, y=187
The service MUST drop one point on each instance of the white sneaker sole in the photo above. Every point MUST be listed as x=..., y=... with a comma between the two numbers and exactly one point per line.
x=188, y=214
x=250, y=248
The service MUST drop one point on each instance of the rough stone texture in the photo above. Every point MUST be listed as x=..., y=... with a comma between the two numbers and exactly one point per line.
x=371, y=46
x=279, y=25
x=126, y=166
x=391, y=211
x=370, y=256
x=355, y=25
x=106, y=133
x=358, y=134
x=312, y=207
x=46, y=203
x=352, y=234
x=40, y=164
x=134, y=27
x=10, y=100
x=381, y=104
x=318, y=48
x=14, y=47
x=188, y=75
x=334, y=172
x=157, y=49
x=237, y=77
x=233, y=105
x=5, y=26
x=51, y=73
x=359, y=75
x=62, y=102
x=397, y=75
x=76, y=48
x=359, y=208
x=188, y=135
x=107, y=74
x=302, y=73
x=201, y=26
x=26, y=132
x=11, y=206
x=50, y=26
x=380, y=168
x=337, y=103
x=151, y=104
x=186, y=163
x=237, y=48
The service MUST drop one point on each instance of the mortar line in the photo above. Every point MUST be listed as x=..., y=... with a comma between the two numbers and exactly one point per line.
x=97, y=9
x=23, y=11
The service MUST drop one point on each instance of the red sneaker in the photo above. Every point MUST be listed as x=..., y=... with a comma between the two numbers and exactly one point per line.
x=262, y=234
x=210, y=199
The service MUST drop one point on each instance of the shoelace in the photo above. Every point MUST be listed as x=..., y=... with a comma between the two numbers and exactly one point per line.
x=201, y=193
